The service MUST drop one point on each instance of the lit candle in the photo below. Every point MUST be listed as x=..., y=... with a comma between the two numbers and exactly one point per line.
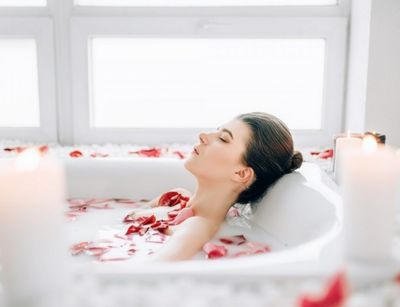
x=369, y=192
x=33, y=250
x=344, y=144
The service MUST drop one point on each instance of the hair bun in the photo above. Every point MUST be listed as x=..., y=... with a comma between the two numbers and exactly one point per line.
x=297, y=161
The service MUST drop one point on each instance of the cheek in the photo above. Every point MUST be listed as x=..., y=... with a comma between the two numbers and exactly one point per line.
x=215, y=163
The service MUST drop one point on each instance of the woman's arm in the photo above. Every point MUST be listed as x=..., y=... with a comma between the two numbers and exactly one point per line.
x=189, y=239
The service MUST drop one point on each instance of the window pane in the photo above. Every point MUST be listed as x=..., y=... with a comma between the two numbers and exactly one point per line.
x=19, y=93
x=179, y=82
x=23, y=2
x=202, y=2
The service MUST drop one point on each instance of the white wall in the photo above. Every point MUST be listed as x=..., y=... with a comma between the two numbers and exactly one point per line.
x=373, y=85
x=383, y=90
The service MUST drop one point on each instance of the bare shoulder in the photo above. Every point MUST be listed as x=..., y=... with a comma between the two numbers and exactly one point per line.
x=199, y=224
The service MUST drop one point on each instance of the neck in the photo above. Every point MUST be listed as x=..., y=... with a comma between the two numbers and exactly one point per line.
x=212, y=200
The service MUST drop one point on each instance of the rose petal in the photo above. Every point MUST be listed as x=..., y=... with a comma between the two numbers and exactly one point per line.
x=76, y=154
x=43, y=149
x=152, y=152
x=18, y=149
x=172, y=198
x=179, y=154
x=214, y=251
x=237, y=239
x=79, y=248
x=327, y=154
x=233, y=212
x=257, y=247
x=334, y=294
x=115, y=255
x=98, y=154
x=132, y=229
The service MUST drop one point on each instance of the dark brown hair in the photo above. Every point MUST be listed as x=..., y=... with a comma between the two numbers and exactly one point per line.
x=269, y=153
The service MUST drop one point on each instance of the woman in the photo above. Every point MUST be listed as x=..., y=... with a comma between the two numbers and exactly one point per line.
x=235, y=164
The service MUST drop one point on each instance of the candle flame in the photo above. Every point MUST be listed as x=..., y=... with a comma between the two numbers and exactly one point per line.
x=369, y=144
x=348, y=133
x=28, y=160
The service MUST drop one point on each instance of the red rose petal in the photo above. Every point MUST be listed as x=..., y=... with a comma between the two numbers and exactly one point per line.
x=129, y=218
x=179, y=154
x=149, y=220
x=172, y=198
x=334, y=294
x=18, y=149
x=397, y=278
x=132, y=229
x=327, y=154
x=152, y=152
x=76, y=154
x=237, y=239
x=43, y=149
x=214, y=251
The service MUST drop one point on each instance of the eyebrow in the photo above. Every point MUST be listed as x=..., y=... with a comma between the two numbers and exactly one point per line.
x=227, y=131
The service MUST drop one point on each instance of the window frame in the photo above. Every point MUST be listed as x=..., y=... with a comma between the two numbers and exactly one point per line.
x=332, y=29
x=57, y=29
x=39, y=28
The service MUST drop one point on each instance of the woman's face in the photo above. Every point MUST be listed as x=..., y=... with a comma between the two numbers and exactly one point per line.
x=219, y=154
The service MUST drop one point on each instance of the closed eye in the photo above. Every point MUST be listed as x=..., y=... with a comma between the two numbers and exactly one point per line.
x=223, y=140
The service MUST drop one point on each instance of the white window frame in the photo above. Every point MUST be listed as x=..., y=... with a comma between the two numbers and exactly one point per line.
x=332, y=29
x=62, y=29
x=39, y=28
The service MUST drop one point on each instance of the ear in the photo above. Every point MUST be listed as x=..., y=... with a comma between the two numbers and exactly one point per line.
x=244, y=175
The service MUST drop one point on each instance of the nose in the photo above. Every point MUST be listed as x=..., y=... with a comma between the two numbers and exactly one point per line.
x=203, y=138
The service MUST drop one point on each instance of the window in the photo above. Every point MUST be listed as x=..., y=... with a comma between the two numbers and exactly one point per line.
x=161, y=71
x=19, y=93
x=165, y=79
x=27, y=91
x=204, y=2
x=22, y=3
x=213, y=78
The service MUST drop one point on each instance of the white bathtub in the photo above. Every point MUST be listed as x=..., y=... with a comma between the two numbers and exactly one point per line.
x=302, y=210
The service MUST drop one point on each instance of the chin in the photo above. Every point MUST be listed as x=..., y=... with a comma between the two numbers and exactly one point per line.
x=187, y=163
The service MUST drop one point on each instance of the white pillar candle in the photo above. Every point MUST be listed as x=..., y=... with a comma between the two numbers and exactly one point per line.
x=369, y=192
x=398, y=180
x=33, y=249
x=344, y=144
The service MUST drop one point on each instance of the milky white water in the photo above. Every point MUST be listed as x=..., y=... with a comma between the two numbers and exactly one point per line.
x=103, y=224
